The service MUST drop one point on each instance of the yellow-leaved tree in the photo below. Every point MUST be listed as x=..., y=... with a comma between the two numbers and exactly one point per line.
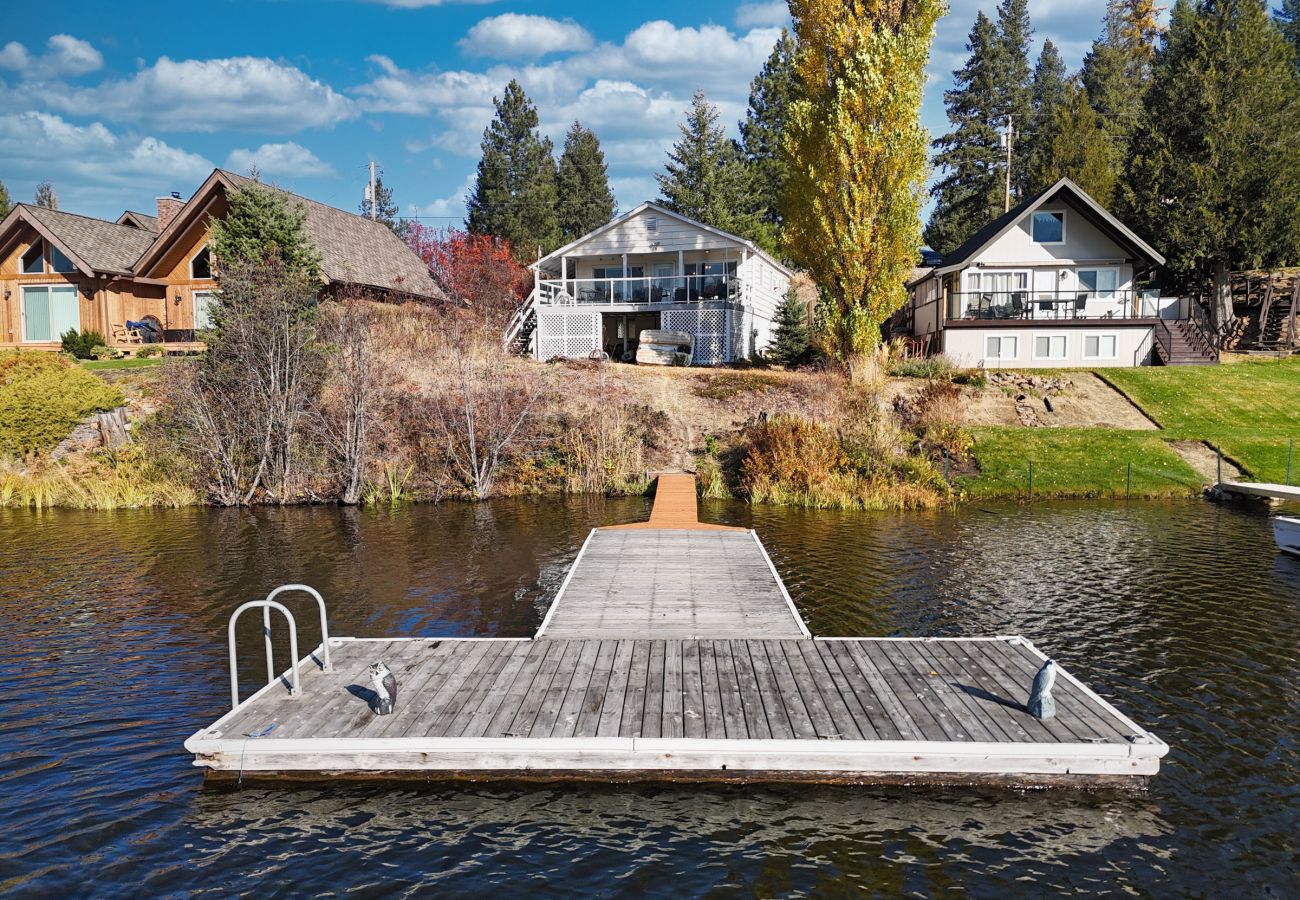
x=856, y=153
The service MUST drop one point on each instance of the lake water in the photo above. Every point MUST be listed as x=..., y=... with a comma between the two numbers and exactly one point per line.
x=112, y=652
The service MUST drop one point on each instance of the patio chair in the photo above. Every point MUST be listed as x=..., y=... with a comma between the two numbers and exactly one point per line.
x=121, y=334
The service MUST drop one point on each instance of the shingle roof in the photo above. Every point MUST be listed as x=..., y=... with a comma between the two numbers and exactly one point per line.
x=990, y=232
x=104, y=246
x=357, y=250
x=144, y=220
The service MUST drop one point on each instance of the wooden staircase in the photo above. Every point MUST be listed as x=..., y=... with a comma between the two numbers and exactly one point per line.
x=1184, y=344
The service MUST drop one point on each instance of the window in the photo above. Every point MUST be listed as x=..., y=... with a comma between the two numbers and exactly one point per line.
x=1099, y=283
x=1000, y=346
x=201, y=264
x=203, y=301
x=49, y=311
x=1100, y=346
x=1049, y=228
x=652, y=224
x=33, y=261
x=59, y=262
x=1049, y=346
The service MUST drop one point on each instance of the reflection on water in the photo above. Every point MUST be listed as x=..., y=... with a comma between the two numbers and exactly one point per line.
x=113, y=653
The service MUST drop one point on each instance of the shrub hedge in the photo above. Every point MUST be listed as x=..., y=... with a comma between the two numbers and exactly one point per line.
x=42, y=397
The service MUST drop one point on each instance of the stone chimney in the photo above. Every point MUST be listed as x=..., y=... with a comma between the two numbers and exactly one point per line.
x=168, y=207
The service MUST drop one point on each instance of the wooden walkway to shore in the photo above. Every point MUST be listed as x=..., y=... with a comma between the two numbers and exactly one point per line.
x=675, y=652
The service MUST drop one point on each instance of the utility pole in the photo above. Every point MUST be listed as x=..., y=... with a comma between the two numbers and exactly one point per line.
x=1008, y=137
x=371, y=194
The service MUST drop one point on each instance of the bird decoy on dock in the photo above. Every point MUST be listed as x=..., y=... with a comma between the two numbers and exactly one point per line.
x=385, y=684
x=1041, y=703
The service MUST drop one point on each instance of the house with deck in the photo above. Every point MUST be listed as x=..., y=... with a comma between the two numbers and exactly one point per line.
x=151, y=279
x=651, y=269
x=1053, y=282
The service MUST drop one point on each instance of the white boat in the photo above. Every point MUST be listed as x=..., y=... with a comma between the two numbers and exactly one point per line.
x=1286, y=531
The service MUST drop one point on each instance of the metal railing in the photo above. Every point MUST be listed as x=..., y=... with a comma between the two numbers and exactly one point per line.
x=1041, y=305
x=266, y=605
x=639, y=289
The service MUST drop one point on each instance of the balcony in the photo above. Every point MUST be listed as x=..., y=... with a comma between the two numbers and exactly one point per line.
x=641, y=289
x=1046, y=306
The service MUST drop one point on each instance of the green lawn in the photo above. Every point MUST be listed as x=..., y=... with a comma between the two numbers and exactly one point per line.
x=1077, y=462
x=1249, y=410
x=121, y=363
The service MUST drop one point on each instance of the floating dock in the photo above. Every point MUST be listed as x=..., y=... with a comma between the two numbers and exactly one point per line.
x=673, y=652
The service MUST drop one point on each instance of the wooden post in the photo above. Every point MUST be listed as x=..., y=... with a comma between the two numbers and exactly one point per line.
x=1218, y=463
x=1031, y=481
x=1290, y=452
x=1128, y=484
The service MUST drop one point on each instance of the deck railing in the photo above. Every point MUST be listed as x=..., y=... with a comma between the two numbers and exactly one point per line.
x=1039, y=305
x=639, y=289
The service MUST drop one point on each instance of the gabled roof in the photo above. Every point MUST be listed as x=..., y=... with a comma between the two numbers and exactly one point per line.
x=1094, y=211
x=664, y=211
x=354, y=249
x=138, y=220
x=94, y=246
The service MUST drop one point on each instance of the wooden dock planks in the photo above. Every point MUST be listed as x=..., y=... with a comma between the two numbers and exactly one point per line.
x=674, y=651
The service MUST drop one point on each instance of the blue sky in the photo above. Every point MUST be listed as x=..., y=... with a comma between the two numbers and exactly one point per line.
x=117, y=103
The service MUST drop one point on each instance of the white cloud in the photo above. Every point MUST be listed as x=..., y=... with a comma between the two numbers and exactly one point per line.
x=287, y=160
x=749, y=15
x=247, y=93
x=92, y=167
x=67, y=55
x=516, y=36
x=445, y=211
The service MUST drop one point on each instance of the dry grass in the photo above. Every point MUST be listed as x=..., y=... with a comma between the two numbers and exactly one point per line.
x=125, y=479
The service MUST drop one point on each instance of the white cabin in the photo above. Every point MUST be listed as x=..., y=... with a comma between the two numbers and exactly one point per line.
x=652, y=269
x=1051, y=283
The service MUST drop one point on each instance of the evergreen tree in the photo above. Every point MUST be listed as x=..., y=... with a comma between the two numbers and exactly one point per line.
x=582, y=185
x=1050, y=87
x=514, y=193
x=1078, y=148
x=791, y=344
x=856, y=152
x=5, y=203
x=1216, y=161
x=970, y=191
x=45, y=196
x=1117, y=71
x=1013, y=79
x=385, y=208
x=1288, y=19
x=706, y=177
x=262, y=223
x=770, y=94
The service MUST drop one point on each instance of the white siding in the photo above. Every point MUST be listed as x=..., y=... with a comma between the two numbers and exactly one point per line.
x=633, y=236
x=967, y=346
x=1084, y=242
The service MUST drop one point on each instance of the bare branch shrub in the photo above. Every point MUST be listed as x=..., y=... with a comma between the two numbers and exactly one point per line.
x=352, y=392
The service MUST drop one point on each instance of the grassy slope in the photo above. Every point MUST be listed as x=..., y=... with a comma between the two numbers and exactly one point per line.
x=120, y=363
x=1249, y=410
x=1077, y=462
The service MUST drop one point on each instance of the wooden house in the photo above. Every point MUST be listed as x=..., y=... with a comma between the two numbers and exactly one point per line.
x=652, y=269
x=1053, y=282
x=60, y=271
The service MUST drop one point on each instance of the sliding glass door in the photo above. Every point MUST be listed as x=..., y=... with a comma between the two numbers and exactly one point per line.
x=49, y=311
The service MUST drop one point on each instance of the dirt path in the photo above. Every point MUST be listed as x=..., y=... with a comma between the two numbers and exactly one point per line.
x=1202, y=457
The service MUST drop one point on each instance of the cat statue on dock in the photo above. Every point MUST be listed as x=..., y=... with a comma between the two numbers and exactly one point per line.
x=385, y=685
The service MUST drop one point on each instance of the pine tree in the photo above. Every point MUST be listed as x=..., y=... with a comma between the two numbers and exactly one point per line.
x=770, y=94
x=1216, y=161
x=706, y=177
x=1049, y=88
x=385, y=208
x=5, y=203
x=1078, y=148
x=791, y=343
x=45, y=196
x=856, y=153
x=264, y=222
x=1013, y=79
x=514, y=193
x=970, y=191
x=582, y=185
x=1288, y=19
x=1117, y=70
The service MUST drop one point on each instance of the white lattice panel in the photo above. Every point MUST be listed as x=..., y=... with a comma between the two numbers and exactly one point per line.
x=711, y=329
x=569, y=333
